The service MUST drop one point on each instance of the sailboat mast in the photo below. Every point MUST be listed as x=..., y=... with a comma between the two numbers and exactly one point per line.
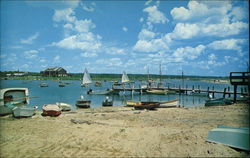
x=148, y=73
x=160, y=74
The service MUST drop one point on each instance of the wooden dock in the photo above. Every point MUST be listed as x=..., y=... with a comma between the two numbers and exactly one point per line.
x=240, y=78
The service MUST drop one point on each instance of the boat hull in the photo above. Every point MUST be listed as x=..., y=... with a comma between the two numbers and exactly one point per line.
x=21, y=112
x=147, y=105
x=83, y=103
x=218, y=102
x=51, y=110
x=230, y=136
x=107, y=103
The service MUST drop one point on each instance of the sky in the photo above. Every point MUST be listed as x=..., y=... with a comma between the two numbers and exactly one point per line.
x=205, y=38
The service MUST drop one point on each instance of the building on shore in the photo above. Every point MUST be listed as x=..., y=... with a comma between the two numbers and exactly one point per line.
x=54, y=72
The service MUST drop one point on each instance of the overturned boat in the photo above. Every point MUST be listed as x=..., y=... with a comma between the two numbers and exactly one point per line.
x=51, y=110
x=22, y=112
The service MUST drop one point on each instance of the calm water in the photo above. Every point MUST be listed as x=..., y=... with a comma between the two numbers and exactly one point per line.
x=71, y=92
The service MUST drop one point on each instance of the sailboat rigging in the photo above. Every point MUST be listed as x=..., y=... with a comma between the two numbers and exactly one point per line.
x=86, y=79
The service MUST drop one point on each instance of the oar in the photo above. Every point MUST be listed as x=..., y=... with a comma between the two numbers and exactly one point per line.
x=17, y=99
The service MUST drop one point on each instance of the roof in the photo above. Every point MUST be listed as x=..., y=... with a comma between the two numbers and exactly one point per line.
x=54, y=69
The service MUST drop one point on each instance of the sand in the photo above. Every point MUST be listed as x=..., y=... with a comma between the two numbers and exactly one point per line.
x=121, y=132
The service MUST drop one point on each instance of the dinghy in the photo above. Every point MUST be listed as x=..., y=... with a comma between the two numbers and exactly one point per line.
x=82, y=103
x=107, y=102
x=20, y=112
x=51, y=110
x=64, y=106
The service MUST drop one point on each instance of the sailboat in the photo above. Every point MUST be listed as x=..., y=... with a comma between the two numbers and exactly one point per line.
x=125, y=77
x=86, y=79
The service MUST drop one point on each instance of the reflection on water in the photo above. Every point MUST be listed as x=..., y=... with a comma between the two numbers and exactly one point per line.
x=71, y=92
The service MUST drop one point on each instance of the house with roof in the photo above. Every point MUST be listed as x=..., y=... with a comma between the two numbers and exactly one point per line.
x=54, y=72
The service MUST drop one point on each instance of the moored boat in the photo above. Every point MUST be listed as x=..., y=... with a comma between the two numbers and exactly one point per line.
x=81, y=103
x=20, y=112
x=51, y=110
x=44, y=84
x=157, y=91
x=98, y=83
x=218, y=102
x=86, y=80
x=107, y=102
x=64, y=106
x=106, y=92
x=61, y=84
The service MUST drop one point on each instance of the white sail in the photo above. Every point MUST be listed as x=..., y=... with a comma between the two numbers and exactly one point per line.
x=125, y=77
x=86, y=78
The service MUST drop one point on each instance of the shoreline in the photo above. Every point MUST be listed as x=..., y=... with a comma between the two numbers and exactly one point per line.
x=122, y=131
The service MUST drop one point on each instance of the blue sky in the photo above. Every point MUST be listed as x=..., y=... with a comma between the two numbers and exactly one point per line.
x=207, y=38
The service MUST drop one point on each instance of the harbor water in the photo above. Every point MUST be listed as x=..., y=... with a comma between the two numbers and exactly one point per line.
x=72, y=92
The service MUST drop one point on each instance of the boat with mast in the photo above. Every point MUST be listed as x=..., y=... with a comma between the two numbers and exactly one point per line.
x=86, y=80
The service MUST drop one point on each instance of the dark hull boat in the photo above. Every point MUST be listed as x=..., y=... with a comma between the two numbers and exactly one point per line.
x=147, y=105
x=83, y=103
x=107, y=103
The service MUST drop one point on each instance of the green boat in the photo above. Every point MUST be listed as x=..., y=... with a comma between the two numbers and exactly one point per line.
x=218, y=102
x=230, y=136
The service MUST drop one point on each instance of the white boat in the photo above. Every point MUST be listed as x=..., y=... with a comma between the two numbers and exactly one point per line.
x=19, y=112
x=64, y=106
x=157, y=91
x=125, y=77
x=170, y=104
x=106, y=92
x=11, y=97
x=86, y=79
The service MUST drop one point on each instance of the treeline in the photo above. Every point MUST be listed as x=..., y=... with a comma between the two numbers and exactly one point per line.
x=98, y=77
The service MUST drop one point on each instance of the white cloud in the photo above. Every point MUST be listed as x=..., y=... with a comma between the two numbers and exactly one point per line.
x=88, y=9
x=84, y=41
x=42, y=60
x=153, y=45
x=141, y=20
x=237, y=14
x=84, y=25
x=185, y=31
x=190, y=53
x=88, y=54
x=125, y=29
x=115, y=62
x=31, y=54
x=57, y=59
x=227, y=44
x=154, y=15
x=115, y=51
x=30, y=39
x=64, y=15
x=146, y=34
x=25, y=66
x=212, y=59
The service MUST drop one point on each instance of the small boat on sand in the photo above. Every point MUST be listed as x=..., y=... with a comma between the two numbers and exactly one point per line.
x=230, y=136
x=51, y=110
x=64, y=106
x=107, y=102
x=82, y=103
x=146, y=105
x=21, y=112
x=163, y=104
x=218, y=102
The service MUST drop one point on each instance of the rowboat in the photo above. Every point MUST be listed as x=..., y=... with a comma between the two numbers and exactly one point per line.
x=51, y=110
x=107, y=102
x=163, y=104
x=44, y=84
x=169, y=104
x=147, y=105
x=218, y=102
x=20, y=112
x=11, y=97
x=157, y=91
x=230, y=136
x=64, y=106
x=61, y=84
x=81, y=103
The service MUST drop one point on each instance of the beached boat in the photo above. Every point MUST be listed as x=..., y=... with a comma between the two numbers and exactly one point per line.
x=107, y=102
x=218, y=102
x=230, y=136
x=82, y=103
x=170, y=104
x=20, y=112
x=51, y=110
x=11, y=97
x=44, y=84
x=147, y=105
x=106, y=92
x=163, y=104
x=157, y=91
x=86, y=80
x=64, y=106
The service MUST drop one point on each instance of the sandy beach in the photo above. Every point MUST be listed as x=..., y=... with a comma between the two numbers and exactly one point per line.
x=121, y=132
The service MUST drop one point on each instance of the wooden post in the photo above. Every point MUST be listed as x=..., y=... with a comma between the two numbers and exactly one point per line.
x=193, y=88
x=235, y=92
x=213, y=92
x=229, y=93
x=186, y=88
x=207, y=91
x=224, y=93
x=199, y=89
x=179, y=90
